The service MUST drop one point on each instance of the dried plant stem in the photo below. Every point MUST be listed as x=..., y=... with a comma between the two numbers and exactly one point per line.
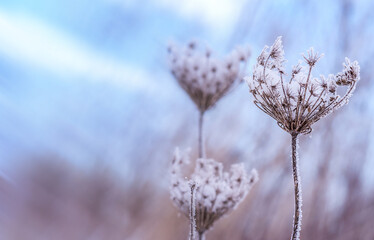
x=192, y=212
x=201, y=236
x=201, y=135
x=297, y=185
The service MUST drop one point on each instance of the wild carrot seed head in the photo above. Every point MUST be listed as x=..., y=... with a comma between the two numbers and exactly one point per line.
x=217, y=192
x=204, y=77
x=302, y=100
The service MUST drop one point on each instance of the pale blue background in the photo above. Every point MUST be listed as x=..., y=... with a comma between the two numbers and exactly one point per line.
x=87, y=80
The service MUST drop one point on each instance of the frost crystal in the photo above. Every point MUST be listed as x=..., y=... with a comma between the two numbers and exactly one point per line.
x=303, y=100
x=217, y=192
x=205, y=78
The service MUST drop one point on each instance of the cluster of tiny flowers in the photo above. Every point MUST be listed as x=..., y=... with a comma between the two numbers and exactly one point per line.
x=216, y=192
x=205, y=78
x=302, y=100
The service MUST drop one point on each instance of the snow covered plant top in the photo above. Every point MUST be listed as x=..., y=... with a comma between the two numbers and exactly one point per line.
x=217, y=192
x=302, y=100
x=205, y=78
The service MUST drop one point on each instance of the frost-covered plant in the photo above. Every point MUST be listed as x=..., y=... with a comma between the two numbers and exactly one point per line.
x=210, y=192
x=299, y=102
x=205, y=78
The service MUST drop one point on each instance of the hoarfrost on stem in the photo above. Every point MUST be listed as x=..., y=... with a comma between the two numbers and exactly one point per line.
x=296, y=104
x=192, y=210
x=298, y=214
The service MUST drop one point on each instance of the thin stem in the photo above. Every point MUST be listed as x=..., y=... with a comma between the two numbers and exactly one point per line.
x=192, y=212
x=297, y=185
x=201, y=236
x=201, y=135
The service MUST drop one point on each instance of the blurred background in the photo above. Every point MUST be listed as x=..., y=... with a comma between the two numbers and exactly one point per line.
x=90, y=116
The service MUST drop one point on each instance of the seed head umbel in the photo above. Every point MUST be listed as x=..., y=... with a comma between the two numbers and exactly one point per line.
x=216, y=193
x=302, y=100
x=204, y=77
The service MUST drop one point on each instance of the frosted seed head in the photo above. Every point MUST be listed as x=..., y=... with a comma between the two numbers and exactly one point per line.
x=332, y=84
x=216, y=192
x=350, y=73
x=303, y=100
x=205, y=78
x=263, y=56
x=276, y=50
x=296, y=69
x=312, y=57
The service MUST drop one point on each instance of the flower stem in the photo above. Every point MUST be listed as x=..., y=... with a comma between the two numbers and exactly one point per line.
x=297, y=185
x=201, y=236
x=192, y=212
x=201, y=135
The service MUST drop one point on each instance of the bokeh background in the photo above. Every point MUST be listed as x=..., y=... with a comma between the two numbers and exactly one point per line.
x=90, y=116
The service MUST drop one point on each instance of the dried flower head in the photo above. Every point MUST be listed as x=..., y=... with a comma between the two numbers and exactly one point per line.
x=216, y=192
x=205, y=78
x=303, y=100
